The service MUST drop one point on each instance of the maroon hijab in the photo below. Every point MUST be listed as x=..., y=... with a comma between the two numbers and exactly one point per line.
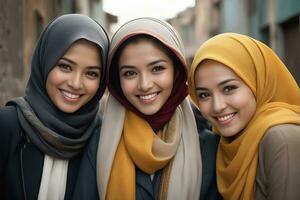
x=169, y=39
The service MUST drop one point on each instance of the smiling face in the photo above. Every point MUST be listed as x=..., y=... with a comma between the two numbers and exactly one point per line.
x=75, y=78
x=146, y=76
x=223, y=98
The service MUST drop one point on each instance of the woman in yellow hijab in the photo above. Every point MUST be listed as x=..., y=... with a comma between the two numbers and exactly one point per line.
x=246, y=92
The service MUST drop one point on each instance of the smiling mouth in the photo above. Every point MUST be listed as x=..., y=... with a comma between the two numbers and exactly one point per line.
x=149, y=97
x=225, y=119
x=70, y=96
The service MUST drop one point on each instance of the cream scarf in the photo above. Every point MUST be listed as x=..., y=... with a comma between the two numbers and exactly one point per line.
x=54, y=179
x=186, y=172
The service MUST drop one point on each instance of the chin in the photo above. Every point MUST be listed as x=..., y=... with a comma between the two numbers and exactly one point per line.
x=148, y=112
x=68, y=110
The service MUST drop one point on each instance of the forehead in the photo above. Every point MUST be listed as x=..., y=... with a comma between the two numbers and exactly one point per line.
x=142, y=50
x=83, y=50
x=213, y=72
x=84, y=44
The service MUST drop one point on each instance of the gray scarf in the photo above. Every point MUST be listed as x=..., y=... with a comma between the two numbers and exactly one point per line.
x=48, y=141
x=54, y=132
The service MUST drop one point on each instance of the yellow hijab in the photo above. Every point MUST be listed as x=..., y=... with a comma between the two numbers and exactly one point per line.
x=278, y=102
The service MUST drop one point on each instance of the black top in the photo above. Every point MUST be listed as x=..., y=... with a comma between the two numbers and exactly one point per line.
x=21, y=164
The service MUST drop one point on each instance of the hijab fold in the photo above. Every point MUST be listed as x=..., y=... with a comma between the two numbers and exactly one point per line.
x=268, y=78
x=70, y=130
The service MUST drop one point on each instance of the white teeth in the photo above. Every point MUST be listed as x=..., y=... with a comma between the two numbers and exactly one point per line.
x=226, y=117
x=70, y=95
x=147, y=97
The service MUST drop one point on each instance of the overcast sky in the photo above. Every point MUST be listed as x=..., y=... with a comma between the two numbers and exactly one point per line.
x=129, y=9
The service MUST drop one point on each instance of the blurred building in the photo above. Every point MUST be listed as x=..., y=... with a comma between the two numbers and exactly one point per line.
x=21, y=23
x=275, y=22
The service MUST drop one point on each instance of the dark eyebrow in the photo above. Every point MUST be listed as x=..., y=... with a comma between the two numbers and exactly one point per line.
x=94, y=67
x=156, y=61
x=126, y=67
x=74, y=63
x=219, y=84
x=149, y=64
x=68, y=60
x=226, y=81
x=201, y=88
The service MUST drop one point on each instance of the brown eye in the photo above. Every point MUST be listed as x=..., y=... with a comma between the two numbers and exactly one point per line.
x=64, y=67
x=158, y=68
x=92, y=74
x=229, y=88
x=128, y=73
x=203, y=95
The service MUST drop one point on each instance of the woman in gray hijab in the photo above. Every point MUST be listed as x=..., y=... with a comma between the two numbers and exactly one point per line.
x=49, y=137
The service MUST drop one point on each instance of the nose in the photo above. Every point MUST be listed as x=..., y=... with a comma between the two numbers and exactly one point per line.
x=145, y=82
x=75, y=81
x=219, y=103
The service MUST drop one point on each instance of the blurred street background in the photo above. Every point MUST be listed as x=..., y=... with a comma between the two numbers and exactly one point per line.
x=275, y=22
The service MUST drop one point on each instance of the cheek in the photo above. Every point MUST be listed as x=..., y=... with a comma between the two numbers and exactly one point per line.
x=167, y=81
x=250, y=107
x=127, y=86
x=53, y=80
x=204, y=108
x=56, y=77
x=92, y=86
x=245, y=100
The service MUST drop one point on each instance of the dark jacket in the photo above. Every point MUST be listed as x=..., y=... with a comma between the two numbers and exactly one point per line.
x=208, y=146
x=147, y=189
x=21, y=164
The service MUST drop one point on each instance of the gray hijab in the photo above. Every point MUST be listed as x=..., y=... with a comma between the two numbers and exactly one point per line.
x=54, y=132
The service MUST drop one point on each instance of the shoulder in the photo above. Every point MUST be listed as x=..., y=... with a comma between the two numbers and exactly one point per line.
x=278, y=163
x=281, y=135
x=8, y=112
x=280, y=142
x=9, y=133
x=9, y=125
x=8, y=118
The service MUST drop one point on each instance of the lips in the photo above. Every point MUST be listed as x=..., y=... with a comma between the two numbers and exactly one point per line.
x=148, y=98
x=70, y=96
x=225, y=119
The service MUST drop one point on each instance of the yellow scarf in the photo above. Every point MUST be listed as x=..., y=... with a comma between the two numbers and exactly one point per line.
x=278, y=102
x=140, y=146
x=179, y=141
